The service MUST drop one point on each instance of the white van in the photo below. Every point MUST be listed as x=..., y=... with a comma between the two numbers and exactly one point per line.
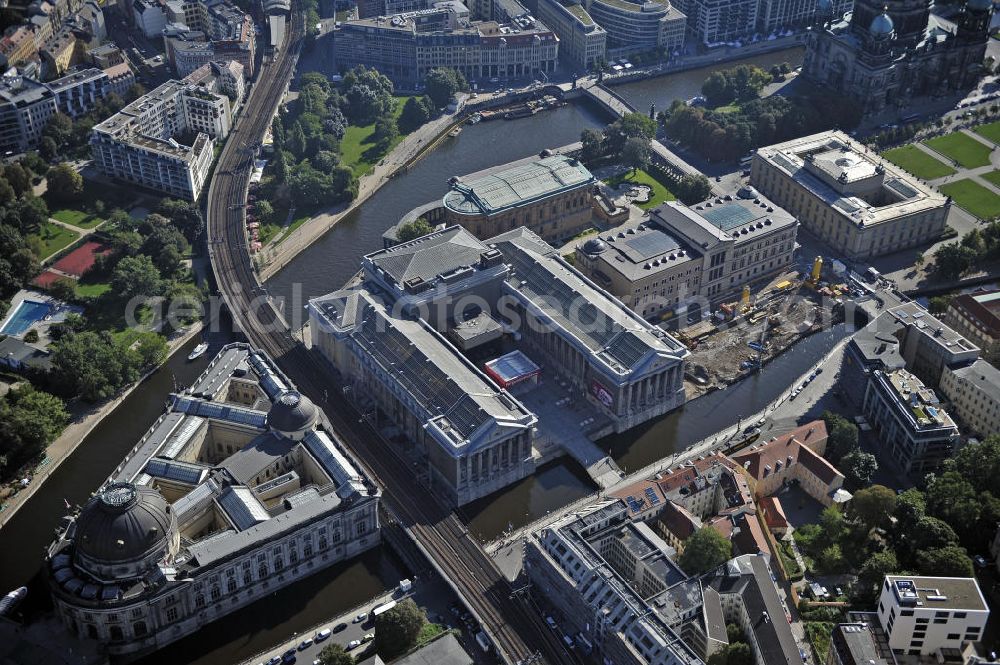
x=570, y=644
x=483, y=641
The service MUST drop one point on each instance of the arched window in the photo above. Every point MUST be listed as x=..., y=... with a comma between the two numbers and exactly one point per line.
x=115, y=633
x=247, y=580
x=262, y=571
x=139, y=628
x=199, y=600
x=91, y=631
x=231, y=585
x=216, y=593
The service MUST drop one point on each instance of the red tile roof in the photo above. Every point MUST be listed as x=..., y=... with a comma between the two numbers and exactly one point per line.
x=774, y=514
x=768, y=454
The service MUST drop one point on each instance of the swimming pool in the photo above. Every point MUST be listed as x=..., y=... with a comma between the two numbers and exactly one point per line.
x=25, y=315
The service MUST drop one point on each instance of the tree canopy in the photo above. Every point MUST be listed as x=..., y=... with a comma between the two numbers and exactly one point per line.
x=334, y=654
x=396, y=630
x=873, y=506
x=740, y=83
x=65, y=184
x=415, y=229
x=704, y=550
x=442, y=83
x=29, y=421
x=842, y=436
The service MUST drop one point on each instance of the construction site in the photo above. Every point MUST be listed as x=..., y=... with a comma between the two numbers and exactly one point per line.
x=742, y=336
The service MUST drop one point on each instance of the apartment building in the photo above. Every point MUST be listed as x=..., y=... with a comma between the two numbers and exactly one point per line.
x=25, y=108
x=973, y=393
x=17, y=45
x=205, y=31
x=682, y=254
x=79, y=92
x=221, y=77
x=639, y=26
x=912, y=428
x=137, y=144
x=977, y=317
x=149, y=16
x=924, y=615
x=848, y=196
x=582, y=42
x=405, y=47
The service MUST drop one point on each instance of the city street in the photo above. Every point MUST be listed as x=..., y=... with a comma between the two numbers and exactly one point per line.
x=433, y=595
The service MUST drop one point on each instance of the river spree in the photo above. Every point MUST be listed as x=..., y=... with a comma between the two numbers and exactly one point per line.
x=324, y=267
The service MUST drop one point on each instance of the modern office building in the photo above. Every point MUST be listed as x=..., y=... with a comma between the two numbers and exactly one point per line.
x=923, y=615
x=848, y=196
x=552, y=196
x=405, y=47
x=389, y=340
x=973, y=394
x=884, y=54
x=226, y=78
x=639, y=26
x=617, y=587
x=237, y=491
x=706, y=252
x=582, y=42
x=718, y=22
x=137, y=144
x=912, y=429
x=78, y=93
x=977, y=317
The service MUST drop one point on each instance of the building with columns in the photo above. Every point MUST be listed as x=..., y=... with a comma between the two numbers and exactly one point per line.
x=886, y=52
x=238, y=490
x=409, y=343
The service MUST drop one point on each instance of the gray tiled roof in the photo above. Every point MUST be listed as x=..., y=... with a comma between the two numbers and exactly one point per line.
x=517, y=186
x=256, y=456
x=429, y=256
x=982, y=375
x=613, y=334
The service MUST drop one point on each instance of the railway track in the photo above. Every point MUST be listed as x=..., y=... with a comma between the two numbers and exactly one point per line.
x=518, y=632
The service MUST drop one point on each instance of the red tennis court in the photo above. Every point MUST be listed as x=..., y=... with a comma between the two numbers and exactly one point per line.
x=82, y=258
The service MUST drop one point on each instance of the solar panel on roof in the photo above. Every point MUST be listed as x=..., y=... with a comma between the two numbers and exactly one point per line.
x=729, y=216
x=651, y=495
x=178, y=471
x=649, y=245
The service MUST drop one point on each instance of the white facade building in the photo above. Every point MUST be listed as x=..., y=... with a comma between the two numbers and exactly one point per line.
x=922, y=615
x=974, y=393
x=137, y=144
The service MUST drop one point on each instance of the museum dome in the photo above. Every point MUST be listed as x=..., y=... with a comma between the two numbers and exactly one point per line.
x=881, y=26
x=979, y=5
x=123, y=523
x=594, y=246
x=292, y=412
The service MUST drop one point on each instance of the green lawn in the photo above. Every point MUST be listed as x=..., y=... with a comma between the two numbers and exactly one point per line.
x=640, y=177
x=918, y=162
x=91, y=290
x=965, y=150
x=77, y=218
x=51, y=238
x=357, y=149
x=990, y=131
x=975, y=198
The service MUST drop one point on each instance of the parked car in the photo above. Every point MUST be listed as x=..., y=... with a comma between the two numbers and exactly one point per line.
x=305, y=644
x=368, y=637
x=353, y=644
x=325, y=633
x=361, y=617
x=339, y=627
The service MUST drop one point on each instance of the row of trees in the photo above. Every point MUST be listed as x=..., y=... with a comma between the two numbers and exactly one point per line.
x=29, y=421
x=68, y=138
x=738, y=84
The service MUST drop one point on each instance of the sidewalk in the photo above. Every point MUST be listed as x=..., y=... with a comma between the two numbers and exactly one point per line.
x=74, y=434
